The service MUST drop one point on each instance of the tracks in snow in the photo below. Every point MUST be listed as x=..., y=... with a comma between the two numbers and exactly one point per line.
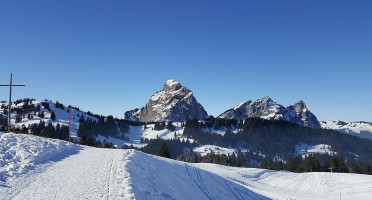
x=95, y=173
x=91, y=174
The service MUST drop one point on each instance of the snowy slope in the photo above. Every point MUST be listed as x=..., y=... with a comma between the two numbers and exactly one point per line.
x=62, y=116
x=359, y=129
x=79, y=172
x=205, y=149
x=288, y=185
x=94, y=173
x=137, y=132
x=304, y=150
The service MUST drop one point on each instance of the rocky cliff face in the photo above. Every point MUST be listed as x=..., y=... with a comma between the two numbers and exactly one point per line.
x=173, y=103
x=266, y=108
x=299, y=114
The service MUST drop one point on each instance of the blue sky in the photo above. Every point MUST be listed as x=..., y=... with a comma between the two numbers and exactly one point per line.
x=111, y=56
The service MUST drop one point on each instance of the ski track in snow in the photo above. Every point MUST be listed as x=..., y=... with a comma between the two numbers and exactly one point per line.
x=79, y=172
x=90, y=174
x=287, y=185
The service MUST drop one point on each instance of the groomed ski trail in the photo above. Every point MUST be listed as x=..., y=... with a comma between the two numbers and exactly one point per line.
x=91, y=174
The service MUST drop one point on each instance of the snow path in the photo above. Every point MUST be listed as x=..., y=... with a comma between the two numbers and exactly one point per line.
x=127, y=174
x=91, y=174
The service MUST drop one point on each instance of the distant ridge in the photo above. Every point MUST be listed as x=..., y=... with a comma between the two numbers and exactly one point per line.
x=266, y=108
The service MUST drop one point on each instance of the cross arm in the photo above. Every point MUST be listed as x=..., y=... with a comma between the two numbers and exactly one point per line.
x=12, y=85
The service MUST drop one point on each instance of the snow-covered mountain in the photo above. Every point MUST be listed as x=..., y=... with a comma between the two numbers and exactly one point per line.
x=33, y=167
x=266, y=108
x=360, y=129
x=173, y=103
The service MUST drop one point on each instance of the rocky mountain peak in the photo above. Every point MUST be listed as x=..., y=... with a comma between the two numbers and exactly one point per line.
x=266, y=108
x=171, y=85
x=300, y=104
x=173, y=103
x=265, y=100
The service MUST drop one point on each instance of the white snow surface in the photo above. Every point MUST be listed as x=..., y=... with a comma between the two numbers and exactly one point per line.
x=80, y=172
x=21, y=153
x=360, y=129
x=288, y=185
x=171, y=82
x=137, y=132
x=304, y=150
x=205, y=149
x=93, y=173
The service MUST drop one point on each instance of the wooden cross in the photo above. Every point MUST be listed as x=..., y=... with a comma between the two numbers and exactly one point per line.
x=10, y=99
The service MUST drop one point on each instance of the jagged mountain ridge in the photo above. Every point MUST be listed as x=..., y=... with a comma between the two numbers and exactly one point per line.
x=173, y=103
x=266, y=108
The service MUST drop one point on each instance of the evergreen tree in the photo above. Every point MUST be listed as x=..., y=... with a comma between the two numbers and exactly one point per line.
x=82, y=120
x=170, y=126
x=83, y=140
x=163, y=151
x=279, y=165
x=159, y=126
x=18, y=118
x=294, y=165
x=41, y=114
x=263, y=164
x=312, y=164
x=338, y=165
x=52, y=116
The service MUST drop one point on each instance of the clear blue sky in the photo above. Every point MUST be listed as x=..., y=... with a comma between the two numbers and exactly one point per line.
x=111, y=56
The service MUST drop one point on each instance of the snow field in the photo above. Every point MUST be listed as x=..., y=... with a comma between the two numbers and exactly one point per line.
x=359, y=129
x=304, y=150
x=160, y=178
x=62, y=171
x=205, y=149
x=288, y=185
x=94, y=173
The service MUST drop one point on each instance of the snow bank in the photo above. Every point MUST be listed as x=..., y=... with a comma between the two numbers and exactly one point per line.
x=160, y=178
x=20, y=153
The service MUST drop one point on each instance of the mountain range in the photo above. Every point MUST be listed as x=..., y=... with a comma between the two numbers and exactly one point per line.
x=266, y=108
x=177, y=103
